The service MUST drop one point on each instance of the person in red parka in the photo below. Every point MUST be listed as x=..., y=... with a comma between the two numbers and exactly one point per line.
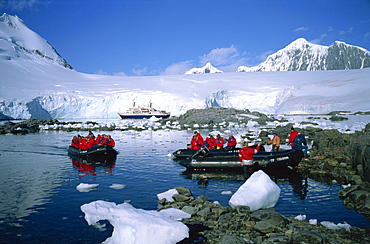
x=98, y=139
x=246, y=158
x=231, y=142
x=90, y=141
x=219, y=142
x=292, y=135
x=109, y=141
x=83, y=143
x=75, y=143
x=210, y=142
x=199, y=138
x=194, y=144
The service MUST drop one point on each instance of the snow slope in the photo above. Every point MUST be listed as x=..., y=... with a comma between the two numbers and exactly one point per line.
x=35, y=82
x=32, y=90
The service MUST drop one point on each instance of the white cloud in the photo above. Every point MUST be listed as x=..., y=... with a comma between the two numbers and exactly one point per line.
x=100, y=72
x=177, y=68
x=301, y=29
x=120, y=74
x=221, y=56
x=140, y=72
x=227, y=58
x=22, y=4
x=346, y=31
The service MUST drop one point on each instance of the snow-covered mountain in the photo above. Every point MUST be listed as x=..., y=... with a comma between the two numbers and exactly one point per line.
x=302, y=55
x=208, y=68
x=43, y=87
x=18, y=41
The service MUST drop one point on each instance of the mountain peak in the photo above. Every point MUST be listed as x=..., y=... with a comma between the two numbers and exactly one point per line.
x=21, y=42
x=301, y=55
x=208, y=68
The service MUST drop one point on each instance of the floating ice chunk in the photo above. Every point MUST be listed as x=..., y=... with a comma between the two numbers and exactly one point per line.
x=226, y=193
x=259, y=191
x=168, y=195
x=345, y=226
x=137, y=226
x=301, y=217
x=313, y=221
x=332, y=226
x=82, y=187
x=345, y=186
x=117, y=186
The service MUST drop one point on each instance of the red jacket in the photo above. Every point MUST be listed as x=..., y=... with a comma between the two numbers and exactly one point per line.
x=220, y=142
x=91, y=142
x=211, y=141
x=231, y=142
x=194, y=144
x=83, y=144
x=292, y=135
x=75, y=142
x=199, y=139
x=246, y=153
x=110, y=142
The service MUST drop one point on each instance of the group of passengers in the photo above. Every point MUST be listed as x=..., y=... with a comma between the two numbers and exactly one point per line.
x=211, y=142
x=89, y=141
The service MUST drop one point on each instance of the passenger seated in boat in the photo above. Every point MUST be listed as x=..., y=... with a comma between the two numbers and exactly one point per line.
x=99, y=139
x=75, y=142
x=90, y=134
x=194, y=143
x=91, y=142
x=109, y=141
x=231, y=142
x=219, y=142
x=83, y=143
x=199, y=138
x=210, y=142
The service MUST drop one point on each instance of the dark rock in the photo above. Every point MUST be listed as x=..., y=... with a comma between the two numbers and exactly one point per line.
x=365, y=209
x=181, y=198
x=184, y=191
x=190, y=210
x=308, y=237
x=231, y=239
x=268, y=215
x=264, y=227
x=281, y=238
x=348, y=190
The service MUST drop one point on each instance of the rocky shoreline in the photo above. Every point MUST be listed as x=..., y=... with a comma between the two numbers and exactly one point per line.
x=214, y=223
x=211, y=118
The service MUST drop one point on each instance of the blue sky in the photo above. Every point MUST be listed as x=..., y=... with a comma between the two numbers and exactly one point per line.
x=155, y=37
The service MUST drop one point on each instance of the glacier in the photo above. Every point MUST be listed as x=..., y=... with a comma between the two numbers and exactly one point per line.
x=36, y=83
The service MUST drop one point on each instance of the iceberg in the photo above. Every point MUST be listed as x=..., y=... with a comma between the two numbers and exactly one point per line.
x=82, y=187
x=258, y=192
x=138, y=226
x=168, y=195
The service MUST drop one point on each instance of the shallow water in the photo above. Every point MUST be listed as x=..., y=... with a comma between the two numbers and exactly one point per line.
x=39, y=202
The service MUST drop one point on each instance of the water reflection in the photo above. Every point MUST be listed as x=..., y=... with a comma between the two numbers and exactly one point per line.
x=293, y=177
x=88, y=168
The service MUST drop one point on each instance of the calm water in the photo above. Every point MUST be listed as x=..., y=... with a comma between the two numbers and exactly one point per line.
x=39, y=202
